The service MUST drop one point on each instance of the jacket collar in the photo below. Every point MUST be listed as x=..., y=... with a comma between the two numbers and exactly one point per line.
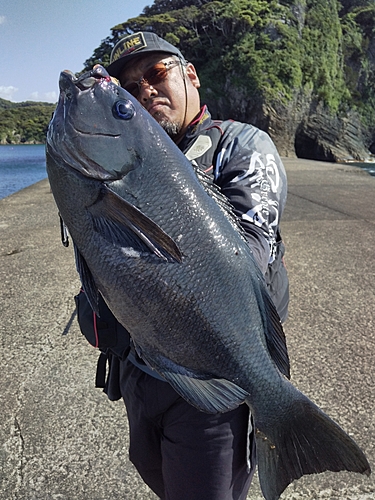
x=201, y=122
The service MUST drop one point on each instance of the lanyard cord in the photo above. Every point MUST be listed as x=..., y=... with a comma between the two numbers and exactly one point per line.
x=185, y=88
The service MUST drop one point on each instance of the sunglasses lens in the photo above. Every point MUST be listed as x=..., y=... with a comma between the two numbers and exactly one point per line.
x=156, y=74
x=153, y=76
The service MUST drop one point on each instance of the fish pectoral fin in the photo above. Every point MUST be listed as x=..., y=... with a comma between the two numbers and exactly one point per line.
x=124, y=225
x=87, y=281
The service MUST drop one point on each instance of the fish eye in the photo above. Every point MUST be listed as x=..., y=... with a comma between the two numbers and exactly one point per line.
x=124, y=109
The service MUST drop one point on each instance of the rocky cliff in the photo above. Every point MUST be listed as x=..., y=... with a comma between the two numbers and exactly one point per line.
x=310, y=124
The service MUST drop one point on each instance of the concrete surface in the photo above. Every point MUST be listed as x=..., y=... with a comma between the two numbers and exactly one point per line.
x=61, y=439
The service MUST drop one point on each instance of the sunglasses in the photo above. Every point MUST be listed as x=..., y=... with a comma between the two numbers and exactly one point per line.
x=153, y=76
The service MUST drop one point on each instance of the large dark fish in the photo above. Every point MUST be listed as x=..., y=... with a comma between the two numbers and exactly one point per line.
x=173, y=265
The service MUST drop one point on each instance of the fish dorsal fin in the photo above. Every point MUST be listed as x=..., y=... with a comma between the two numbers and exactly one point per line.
x=124, y=225
x=274, y=334
x=208, y=394
x=221, y=200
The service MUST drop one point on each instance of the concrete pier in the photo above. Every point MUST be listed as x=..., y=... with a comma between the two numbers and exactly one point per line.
x=61, y=439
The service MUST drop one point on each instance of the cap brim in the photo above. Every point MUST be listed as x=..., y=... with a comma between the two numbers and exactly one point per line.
x=115, y=68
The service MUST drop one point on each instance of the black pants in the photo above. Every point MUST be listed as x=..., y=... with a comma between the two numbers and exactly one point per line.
x=180, y=452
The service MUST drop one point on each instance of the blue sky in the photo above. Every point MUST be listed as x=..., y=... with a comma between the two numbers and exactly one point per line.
x=40, y=38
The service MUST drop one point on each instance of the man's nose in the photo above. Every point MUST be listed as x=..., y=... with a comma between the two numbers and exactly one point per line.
x=146, y=91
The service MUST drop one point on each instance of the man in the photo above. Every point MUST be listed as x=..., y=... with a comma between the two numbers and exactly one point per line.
x=181, y=453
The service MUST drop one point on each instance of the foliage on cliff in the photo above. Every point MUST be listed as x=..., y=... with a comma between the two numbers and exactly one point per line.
x=24, y=122
x=267, y=47
x=358, y=28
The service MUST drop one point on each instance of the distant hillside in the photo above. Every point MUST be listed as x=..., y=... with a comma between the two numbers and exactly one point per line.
x=24, y=122
x=5, y=104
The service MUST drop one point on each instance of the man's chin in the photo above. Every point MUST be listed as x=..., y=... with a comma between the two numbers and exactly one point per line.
x=172, y=129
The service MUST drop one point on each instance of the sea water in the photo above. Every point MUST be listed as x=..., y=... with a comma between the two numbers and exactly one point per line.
x=20, y=166
x=369, y=166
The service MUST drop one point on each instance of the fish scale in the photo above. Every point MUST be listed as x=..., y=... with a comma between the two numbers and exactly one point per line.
x=167, y=255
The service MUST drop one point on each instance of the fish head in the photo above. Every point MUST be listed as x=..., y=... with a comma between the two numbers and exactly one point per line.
x=95, y=128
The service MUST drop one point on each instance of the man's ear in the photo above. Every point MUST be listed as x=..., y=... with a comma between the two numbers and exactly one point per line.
x=191, y=73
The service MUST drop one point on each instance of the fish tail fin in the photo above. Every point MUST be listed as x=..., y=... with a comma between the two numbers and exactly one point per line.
x=306, y=441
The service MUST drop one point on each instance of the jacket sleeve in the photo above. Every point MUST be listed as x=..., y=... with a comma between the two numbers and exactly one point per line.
x=251, y=175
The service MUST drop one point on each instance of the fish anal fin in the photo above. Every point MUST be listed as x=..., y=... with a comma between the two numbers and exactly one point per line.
x=210, y=395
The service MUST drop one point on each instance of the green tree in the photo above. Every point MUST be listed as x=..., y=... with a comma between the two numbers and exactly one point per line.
x=24, y=122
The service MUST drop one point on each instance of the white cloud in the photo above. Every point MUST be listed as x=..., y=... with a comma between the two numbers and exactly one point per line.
x=51, y=96
x=45, y=97
x=2, y=19
x=7, y=92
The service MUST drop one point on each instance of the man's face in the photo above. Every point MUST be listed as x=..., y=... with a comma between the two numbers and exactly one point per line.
x=173, y=102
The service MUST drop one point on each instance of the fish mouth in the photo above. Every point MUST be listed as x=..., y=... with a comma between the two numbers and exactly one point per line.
x=65, y=124
x=70, y=85
x=95, y=134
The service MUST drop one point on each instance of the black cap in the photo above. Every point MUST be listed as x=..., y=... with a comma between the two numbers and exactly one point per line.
x=132, y=46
